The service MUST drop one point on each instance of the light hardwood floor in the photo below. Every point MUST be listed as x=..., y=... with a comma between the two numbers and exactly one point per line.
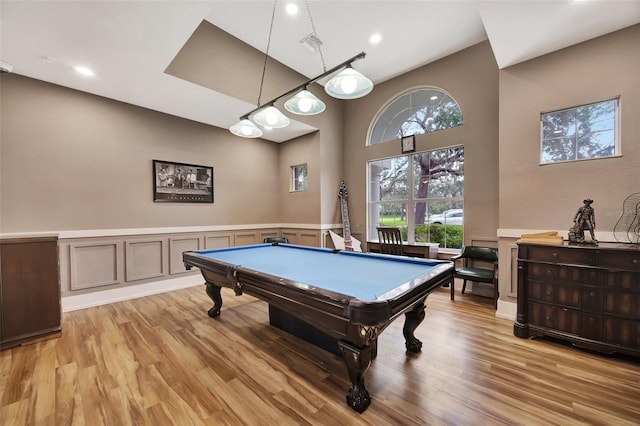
x=160, y=360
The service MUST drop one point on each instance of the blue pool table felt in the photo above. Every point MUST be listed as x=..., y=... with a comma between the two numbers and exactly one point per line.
x=365, y=276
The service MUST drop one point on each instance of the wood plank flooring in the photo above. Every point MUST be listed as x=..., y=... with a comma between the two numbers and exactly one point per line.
x=160, y=360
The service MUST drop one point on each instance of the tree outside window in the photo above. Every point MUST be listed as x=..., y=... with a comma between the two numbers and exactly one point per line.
x=415, y=112
x=422, y=194
x=580, y=133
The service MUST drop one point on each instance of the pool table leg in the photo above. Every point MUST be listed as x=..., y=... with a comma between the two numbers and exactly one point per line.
x=412, y=320
x=358, y=361
x=213, y=291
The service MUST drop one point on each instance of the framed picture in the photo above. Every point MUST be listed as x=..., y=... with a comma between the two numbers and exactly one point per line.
x=182, y=183
x=408, y=144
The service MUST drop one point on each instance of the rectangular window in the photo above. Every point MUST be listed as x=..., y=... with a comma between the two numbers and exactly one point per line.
x=299, y=177
x=422, y=194
x=581, y=133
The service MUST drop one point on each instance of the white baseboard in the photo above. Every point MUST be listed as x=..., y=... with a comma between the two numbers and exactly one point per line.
x=98, y=298
x=507, y=310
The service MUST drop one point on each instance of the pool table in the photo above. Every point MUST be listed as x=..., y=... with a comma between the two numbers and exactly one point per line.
x=350, y=296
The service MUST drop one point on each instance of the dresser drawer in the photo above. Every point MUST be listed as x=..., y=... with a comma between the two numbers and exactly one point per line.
x=561, y=255
x=541, y=271
x=568, y=274
x=622, y=304
x=622, y=332
x=562, y=319
x=624, y=280
x=591, y=299
x=592, y=326
x=565, y=295
x=618, y=259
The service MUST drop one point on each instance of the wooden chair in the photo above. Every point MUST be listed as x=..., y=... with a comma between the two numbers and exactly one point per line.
x=470, y=270
x=390, y=240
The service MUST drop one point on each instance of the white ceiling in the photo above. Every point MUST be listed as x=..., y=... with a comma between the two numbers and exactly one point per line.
x=129, y=44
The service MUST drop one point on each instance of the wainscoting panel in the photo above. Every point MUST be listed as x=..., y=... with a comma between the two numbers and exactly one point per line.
x=292, y=236
x=108, y=265
x=144, y=259
x=214, y=241
x=309, y=239
x=247, y=239
x=269, y=233
x=95, y=264
x=484, y=242
x=513, y=268
x=177, y=245
x=508, y=273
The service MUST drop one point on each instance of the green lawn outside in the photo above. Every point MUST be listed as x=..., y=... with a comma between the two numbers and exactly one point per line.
x=448, y=236
x=393, y=221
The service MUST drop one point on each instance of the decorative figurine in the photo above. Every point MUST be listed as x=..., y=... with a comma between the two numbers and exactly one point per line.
x=585, y=219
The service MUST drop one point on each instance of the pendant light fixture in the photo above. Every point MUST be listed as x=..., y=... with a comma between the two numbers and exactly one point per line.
x=271, y=117
x=246, y=129
x=347, y=84
x=305, y=103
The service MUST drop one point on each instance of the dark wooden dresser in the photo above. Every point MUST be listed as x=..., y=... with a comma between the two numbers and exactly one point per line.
x=29, y=290
x=588, y=295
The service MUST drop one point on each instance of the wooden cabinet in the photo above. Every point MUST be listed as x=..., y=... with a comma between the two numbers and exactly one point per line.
x=588, y=295
x=29, y=290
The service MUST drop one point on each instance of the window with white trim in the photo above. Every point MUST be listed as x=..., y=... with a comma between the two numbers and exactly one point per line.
x=415, y=112
x=421, y=193
x=580, y=133
x=299, y=177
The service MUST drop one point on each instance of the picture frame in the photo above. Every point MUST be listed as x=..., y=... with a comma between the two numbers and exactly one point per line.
x=181, y=182
x=408, y=144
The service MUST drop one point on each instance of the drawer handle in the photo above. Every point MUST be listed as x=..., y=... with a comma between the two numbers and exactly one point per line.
x=548, y=292
x=555, y=254
x=634, y=261
x=592, y=294
x=547, y=318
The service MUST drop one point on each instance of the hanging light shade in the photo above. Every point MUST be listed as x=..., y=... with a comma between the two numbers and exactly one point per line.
x=271, y=117
x=348, y=84
x=246, y=129
x=305, y=103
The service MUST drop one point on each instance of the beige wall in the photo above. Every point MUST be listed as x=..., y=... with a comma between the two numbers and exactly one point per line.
x=206, y=59
x=300, y=206
x=471, y=78
x=73, y=161
x=535, y=197
x=547, y=197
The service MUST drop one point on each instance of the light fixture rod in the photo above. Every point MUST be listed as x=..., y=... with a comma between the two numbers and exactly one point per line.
x=346, y=63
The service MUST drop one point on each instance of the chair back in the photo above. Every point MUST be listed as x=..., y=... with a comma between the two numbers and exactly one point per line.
x=390, y=240
x=486, y=254
x=276, y=240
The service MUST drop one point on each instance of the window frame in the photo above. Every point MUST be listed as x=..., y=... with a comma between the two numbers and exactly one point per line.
x=294, y=177
x=418, y=91
x=410, y=200
x=617, y=145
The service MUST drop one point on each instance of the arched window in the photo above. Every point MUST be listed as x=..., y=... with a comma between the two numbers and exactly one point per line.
x=415, y=112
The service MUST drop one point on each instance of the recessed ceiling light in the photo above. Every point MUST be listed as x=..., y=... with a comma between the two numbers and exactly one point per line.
x=291, y=8
x=375, y=38
x=84, y=71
